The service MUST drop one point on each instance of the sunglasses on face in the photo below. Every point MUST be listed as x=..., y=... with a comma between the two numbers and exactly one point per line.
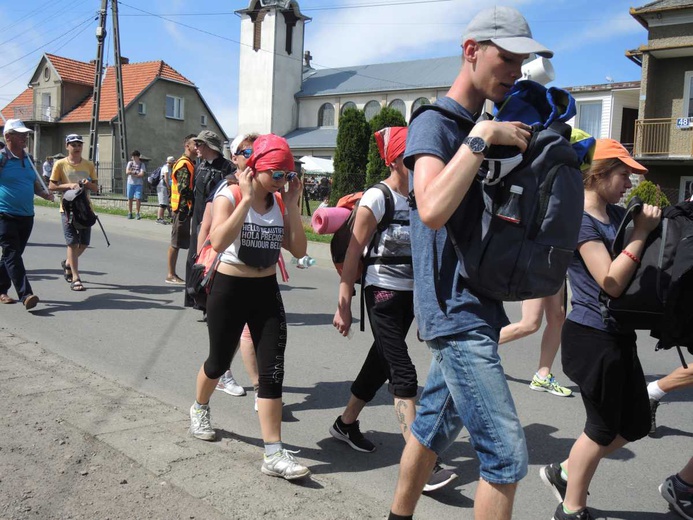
x=245, y=153
x=278, y=175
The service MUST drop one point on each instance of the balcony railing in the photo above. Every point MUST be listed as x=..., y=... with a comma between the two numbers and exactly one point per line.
x=661, y=137
x=31, y=113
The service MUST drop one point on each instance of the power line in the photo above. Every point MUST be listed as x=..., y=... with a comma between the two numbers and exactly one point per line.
x=52, y=18
x=46, y=44
x=323, y=67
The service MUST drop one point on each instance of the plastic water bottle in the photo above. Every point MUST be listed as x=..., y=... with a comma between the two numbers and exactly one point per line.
x=303, y=263
x=510, y=211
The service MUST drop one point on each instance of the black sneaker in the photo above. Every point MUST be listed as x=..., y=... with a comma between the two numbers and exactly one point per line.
x=653, y=415
x=551, y=476
x=440, y=477
x=351, y=434
x=679, y=501
x=583, y=514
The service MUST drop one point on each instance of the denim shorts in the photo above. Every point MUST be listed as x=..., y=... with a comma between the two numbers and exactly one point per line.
x=74, y=236
x=134, y=191
x=466, y=386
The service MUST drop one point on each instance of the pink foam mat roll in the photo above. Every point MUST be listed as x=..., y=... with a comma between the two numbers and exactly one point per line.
x=328, y=220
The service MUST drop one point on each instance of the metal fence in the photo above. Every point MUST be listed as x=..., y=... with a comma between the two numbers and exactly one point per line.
x=112, y=179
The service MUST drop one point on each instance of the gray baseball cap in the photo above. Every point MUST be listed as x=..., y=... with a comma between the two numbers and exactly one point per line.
x=506, y=28
x=210, y=139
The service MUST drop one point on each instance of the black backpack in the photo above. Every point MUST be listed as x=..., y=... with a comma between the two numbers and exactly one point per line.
x=155, y=177
x=659, y=296
x=511, y=261
x=78, y=209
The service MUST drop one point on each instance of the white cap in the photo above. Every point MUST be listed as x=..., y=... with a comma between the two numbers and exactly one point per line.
x=236, y=143
x=15, y=125
x=170, y=158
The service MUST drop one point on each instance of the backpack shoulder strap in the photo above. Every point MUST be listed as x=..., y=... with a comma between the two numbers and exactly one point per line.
x=634, y=207
x=389, y=206
x=280, y=202
x=3, y=159
x=462, y=121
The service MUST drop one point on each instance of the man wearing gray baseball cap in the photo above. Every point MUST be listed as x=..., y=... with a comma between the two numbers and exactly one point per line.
x=466, y=385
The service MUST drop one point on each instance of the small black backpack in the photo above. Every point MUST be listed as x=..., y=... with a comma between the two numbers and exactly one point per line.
x=155, y=177
x=659, y=296
x=78, y=209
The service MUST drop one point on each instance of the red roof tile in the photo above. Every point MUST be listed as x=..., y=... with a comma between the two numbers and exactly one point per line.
x=73, y=71
x=136, y=77
x=24, y=99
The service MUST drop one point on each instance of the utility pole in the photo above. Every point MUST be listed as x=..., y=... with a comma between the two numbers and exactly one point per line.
x=98, y=83
x=98, y=77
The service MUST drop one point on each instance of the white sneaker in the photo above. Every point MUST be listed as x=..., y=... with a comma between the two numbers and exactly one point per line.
x=283, y=464
x=200, y=424
x=228, y=384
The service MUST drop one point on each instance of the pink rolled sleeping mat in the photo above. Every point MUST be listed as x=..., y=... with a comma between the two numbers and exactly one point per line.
x=328, y=220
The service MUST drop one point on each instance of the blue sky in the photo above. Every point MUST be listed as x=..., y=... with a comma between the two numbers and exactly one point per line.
x=201, y=39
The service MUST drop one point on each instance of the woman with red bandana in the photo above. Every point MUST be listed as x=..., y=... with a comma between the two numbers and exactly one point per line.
x=388, y=288
x=250, y=224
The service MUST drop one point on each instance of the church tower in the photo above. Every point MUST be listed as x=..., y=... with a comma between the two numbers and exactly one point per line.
x=271, y=66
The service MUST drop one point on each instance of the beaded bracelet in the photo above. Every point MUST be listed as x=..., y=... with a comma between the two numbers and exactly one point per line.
x=631, y=256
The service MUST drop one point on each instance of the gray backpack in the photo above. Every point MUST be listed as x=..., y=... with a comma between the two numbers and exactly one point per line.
x=526, y=255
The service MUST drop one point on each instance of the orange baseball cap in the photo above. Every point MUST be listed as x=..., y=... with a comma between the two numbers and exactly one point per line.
x=612, y=149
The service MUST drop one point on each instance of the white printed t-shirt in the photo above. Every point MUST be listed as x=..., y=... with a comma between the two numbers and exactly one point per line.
x=394, y=241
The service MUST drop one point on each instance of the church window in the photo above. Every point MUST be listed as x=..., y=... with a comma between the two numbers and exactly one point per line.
x=348, y=104
x=326, y=115
x=371, y=109
x=418, y=102
x=398, y=104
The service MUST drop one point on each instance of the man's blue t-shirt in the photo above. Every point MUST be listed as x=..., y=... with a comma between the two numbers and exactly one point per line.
x=435, y=134
x=585, y=289
x=17, y=187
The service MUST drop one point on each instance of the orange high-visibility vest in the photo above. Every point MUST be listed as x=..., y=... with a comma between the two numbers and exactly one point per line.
x=184, y=161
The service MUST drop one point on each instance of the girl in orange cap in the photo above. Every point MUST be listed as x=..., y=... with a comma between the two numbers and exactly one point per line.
x=598, y=354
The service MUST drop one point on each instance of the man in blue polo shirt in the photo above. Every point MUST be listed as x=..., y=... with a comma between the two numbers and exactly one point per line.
x=18, y=184
x=466, y=385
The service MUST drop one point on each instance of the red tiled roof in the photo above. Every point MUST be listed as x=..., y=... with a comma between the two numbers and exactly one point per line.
x=73, y=71
x=25, y=99
x=136, y=77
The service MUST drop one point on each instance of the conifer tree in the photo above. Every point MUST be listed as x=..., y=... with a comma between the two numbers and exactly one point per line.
x=377, y=170
x=351, y=154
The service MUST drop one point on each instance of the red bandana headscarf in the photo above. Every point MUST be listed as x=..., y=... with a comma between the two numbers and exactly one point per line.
x=391, y=142
x=271, y=152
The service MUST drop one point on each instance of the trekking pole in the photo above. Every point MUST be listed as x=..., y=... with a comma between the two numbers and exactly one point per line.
x=108, y=244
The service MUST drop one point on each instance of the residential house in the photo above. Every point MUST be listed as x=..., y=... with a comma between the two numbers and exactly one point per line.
x=664, y=128
x=161, y=107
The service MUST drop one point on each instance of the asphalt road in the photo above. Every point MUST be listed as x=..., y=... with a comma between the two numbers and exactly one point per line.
x=130, y=327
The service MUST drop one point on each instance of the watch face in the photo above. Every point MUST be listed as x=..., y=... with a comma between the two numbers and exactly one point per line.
x=476, y=144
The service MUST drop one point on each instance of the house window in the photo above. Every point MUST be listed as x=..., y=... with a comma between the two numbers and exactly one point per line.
x=203, y=120
x=418, y=102
x=398, y=104
x=47, y=73
x=685, y=188
x=590, y=118
x=688, y=95
x=371, y=109
x=348, y=104
x=175, y=107
x=326, y=115
x=142, y=108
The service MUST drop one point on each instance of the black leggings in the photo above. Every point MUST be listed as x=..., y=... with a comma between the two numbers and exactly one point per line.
x=235, y=301
x=391, y=314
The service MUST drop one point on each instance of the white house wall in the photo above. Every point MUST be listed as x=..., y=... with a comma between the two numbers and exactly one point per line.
x=622, y=99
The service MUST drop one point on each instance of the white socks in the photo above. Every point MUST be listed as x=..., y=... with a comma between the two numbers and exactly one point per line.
x=654, y=391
